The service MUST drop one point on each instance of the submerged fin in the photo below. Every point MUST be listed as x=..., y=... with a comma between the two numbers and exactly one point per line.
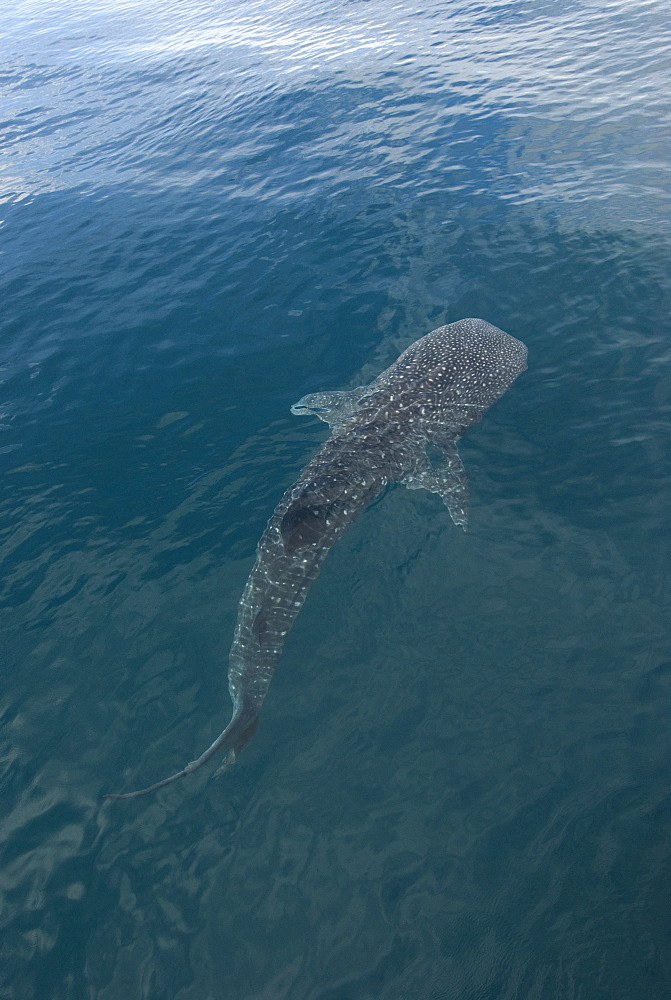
x=334, y=408
x=448, y=479
x=237, y=733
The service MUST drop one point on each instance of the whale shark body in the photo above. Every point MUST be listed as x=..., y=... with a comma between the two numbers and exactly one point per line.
x=438, y=388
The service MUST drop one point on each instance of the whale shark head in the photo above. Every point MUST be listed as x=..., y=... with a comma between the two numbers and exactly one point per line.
x=451, y=375
x=469, y=363
x=438, y=388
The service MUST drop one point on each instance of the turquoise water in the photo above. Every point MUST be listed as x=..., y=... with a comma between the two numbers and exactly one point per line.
x=460, y=788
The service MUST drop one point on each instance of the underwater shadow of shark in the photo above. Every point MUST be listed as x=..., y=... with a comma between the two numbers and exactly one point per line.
x=438, y=388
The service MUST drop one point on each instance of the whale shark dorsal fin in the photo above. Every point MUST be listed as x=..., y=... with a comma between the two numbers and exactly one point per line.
x=334, y=408
x=446, y=477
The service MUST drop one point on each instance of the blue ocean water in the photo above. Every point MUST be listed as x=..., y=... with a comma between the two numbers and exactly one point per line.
x=460, y=788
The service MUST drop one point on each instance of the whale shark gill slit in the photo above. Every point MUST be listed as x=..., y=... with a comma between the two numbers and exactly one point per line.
x=388, y=431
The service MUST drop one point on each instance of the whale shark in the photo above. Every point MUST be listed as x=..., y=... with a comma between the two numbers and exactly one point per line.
x=401, y=428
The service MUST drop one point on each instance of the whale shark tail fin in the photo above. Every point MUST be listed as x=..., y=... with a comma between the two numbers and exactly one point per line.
x=235, y=736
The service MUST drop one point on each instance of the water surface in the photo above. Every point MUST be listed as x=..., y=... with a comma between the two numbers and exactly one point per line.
x=460, y=787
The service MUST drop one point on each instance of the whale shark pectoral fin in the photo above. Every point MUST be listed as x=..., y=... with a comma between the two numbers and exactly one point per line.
x=334, y=408
x=448, y=479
